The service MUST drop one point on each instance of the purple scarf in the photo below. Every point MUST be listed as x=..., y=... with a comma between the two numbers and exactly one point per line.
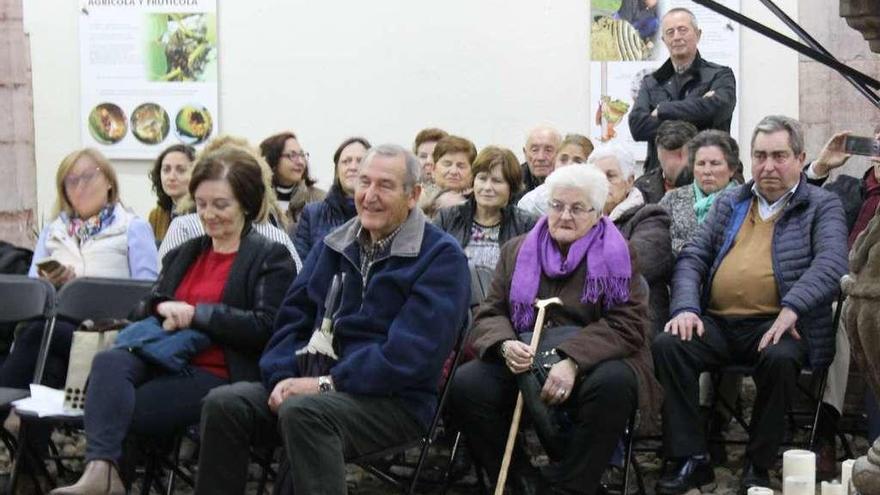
x=608, y=268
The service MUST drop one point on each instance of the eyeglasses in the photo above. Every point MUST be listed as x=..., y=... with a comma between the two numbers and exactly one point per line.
x=577, y=210
x=72, y=181
x=293, y=155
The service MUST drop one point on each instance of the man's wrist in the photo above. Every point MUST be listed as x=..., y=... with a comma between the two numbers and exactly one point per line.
x=325, y=384
x=817, y=170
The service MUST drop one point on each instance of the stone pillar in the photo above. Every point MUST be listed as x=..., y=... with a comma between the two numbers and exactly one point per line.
x=18, y=189
x=864, y=17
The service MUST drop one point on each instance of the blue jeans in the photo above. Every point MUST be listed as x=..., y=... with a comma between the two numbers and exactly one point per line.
x=127, y=394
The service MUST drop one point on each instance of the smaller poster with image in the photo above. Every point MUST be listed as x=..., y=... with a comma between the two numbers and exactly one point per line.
x=149, y=76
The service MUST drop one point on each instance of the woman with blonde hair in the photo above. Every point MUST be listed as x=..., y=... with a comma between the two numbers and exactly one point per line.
x=92, y=235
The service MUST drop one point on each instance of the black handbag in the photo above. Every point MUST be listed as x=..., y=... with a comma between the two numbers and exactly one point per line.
x=551, y=423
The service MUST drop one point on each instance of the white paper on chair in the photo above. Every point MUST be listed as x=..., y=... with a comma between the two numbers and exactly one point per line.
x=45, y=401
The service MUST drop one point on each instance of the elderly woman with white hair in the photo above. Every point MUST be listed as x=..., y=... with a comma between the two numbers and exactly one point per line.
x=601, y=358
x=645, y=226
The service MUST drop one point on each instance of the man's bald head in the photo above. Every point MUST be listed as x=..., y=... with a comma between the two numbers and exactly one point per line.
x=540, y=150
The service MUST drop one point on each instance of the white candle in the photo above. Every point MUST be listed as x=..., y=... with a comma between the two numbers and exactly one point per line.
x=759, y=490
x=798, y=485
x=800, y=463
x=832, y=488
x=846, y=474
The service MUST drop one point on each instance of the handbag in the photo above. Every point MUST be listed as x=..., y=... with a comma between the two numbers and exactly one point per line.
x=171, y=351
x=90, y=338
x=551, y=423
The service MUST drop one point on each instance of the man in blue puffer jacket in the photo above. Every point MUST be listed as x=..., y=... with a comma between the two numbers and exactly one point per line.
x=754, y=287
x=402, y=305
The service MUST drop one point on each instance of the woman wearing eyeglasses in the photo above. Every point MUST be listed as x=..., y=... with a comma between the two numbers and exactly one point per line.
x=294, y=187
x=92, y=235
x=601, y=368
x=318, y=219
x=486, y=220
x=645, y=227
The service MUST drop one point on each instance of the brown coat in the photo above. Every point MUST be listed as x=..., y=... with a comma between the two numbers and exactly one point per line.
x=619, y=333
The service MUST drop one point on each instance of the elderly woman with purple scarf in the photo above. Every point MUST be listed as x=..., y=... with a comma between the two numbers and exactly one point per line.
x=600, y=334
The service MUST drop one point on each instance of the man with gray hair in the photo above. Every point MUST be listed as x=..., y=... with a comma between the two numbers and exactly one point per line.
x=754, y=287
x=540, y=152
x=397, y=315
x=686, y=87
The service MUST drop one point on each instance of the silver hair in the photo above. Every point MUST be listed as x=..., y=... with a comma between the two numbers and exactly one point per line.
x=776, y=123
x=624, y=158
x=413, y=167
x=686, y=11
x=557, y=136
x=588, y=178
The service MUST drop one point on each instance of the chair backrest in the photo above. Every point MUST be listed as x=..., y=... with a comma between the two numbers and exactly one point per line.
x=23, y=298
x=99, y=298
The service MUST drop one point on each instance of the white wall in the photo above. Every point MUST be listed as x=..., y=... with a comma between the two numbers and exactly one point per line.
x=487, y=69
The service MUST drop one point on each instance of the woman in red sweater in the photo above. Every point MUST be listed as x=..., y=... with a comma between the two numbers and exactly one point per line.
x=224, y=287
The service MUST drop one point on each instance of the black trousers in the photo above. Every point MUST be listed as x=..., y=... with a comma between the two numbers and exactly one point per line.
x=678, y=365
x=482, y=399
x=318, y=432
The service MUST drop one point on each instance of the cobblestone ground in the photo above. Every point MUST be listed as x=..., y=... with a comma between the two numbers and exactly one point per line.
x=361, y=483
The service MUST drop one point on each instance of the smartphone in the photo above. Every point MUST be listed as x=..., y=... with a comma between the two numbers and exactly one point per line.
x=858, y=145
x=48, y=265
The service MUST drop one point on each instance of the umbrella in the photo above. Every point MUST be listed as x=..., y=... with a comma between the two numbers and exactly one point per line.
x=318, y=356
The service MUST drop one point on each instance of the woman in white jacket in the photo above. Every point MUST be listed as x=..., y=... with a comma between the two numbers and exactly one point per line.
x=93, y=235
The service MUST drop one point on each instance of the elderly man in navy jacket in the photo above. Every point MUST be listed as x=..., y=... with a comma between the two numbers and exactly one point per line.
x=754, y=287
x=401, y=308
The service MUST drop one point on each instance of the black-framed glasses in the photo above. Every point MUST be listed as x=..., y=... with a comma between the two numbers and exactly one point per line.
x=577, y=210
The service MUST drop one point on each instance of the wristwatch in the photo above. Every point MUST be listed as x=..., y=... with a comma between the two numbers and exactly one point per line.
x=325, y=384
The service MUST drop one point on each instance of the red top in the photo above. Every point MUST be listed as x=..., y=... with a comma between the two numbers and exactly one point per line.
x=203, y=284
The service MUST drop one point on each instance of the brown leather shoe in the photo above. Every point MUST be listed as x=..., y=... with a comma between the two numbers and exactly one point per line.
x=99, y=478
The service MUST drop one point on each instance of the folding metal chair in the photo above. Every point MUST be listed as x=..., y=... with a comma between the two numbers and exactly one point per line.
x=424, y=443
x=24, y=299
x=80, y=299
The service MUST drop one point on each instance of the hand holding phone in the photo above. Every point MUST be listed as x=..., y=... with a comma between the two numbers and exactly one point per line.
x=47, y=265
x=53, y=271
x=859, y=145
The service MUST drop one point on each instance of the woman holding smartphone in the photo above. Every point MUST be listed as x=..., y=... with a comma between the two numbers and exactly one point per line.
x=92, y=235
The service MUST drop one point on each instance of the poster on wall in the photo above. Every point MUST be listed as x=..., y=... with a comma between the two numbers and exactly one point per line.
x=148, y=75
x=625, y=46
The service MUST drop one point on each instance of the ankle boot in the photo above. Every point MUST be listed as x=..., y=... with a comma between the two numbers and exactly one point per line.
x=99, y=478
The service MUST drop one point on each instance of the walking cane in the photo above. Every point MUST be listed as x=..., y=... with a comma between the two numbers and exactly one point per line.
x=541, y=304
